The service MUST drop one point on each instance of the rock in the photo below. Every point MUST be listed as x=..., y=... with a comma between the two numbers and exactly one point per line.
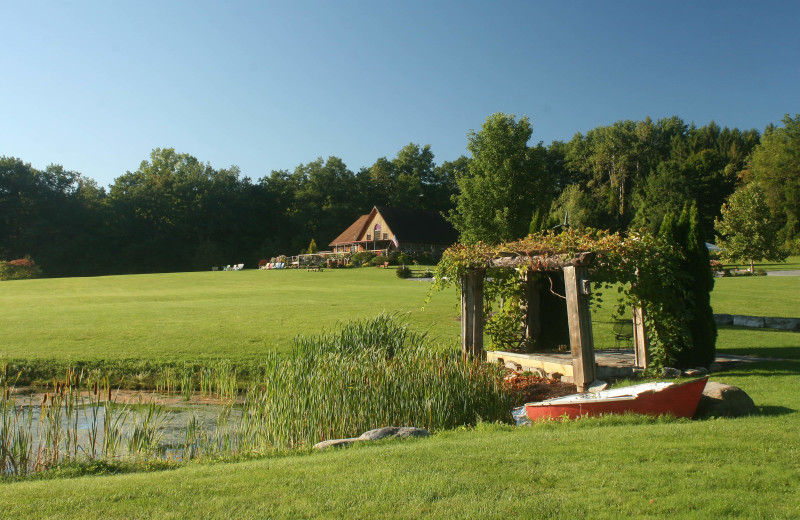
x=670, y=372
x=335, y=443
x=721, y=400
x=782, y=323
x=748, y=321
x=715, y=367
x=568, y=379
x=597, y=386
x=695, y=372
x=723, y=319
x=393, y=431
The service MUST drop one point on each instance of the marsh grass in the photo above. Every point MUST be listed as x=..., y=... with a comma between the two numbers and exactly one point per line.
x=367, y=374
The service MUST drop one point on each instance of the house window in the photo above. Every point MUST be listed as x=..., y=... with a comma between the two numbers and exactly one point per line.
x=369, y=237
x=386, y=236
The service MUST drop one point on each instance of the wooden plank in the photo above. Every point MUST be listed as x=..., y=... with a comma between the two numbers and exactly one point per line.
x=553, y=262
x=472, y=313
x=641, y=344
x=532, y=310
x=477, y=323
x=580, y=326
x=467, y=316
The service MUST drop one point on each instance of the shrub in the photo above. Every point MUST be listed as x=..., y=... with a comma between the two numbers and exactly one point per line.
x=403, y=271
x=20, y=269
x=404, y=259
x=362, y=258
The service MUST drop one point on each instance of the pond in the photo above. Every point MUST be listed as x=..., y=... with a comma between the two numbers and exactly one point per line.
x=38, y=430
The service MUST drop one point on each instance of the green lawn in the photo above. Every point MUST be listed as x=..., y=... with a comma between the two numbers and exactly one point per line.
x=238, y=315
x=192, y=316
x=599, y=468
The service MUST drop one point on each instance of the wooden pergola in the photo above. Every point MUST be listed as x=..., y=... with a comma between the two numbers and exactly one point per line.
x=576, y=269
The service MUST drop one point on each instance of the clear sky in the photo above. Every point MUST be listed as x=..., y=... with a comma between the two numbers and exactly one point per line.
x=95, y=86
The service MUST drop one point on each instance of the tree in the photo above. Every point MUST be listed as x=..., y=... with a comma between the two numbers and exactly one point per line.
x=775, y=165
x=747, y=230
x=500, y=189
x=312, y=247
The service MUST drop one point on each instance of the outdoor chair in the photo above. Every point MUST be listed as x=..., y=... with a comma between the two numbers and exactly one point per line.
x=623, y=333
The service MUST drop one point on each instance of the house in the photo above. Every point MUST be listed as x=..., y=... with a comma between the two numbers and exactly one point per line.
x=393, y=229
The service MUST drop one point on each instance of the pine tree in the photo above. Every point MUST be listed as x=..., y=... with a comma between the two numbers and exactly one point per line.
x=702, y=328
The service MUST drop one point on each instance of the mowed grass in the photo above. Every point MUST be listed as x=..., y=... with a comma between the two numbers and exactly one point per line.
x=611, y=467
x=241, y=315
x=192, y=316
x=600, y=468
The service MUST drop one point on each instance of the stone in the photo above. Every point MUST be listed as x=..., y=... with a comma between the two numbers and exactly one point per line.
x=567, y=379
x=723, y=319
x=597, y=386
x=393, y=431
x=671, y=372
x=748, y=321
x=335, y=443
x=715, y=367
x=721, y=400
x=695, y=372
x=782, y=323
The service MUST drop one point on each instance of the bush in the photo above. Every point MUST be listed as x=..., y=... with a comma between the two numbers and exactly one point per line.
x=404, y=259
x=403, y=271
x=20, y=269
x=362, y=258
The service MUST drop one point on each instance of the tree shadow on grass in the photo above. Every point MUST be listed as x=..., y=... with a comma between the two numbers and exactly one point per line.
x=773, y=411
x=789, y=367
x=788, y=341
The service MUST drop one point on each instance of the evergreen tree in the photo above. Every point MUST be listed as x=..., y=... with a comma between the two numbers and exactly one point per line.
x=702, y=328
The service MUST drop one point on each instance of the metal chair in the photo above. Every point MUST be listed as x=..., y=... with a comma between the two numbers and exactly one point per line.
x=623, y=333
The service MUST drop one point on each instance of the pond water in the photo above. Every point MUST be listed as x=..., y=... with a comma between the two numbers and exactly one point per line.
x=47, y=433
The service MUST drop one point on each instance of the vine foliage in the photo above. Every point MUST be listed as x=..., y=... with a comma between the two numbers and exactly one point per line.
x=646, y=269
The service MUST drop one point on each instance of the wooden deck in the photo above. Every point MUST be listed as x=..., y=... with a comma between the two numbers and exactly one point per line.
x=610, y=363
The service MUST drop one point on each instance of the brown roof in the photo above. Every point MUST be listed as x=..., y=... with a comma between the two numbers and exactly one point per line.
x=418, y=225
x=350, y=234
x=408, y=225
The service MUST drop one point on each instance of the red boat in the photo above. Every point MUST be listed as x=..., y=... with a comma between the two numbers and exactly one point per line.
x=678, y=399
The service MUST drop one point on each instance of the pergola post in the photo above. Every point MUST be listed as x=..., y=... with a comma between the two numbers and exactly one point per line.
x=641, y=345
x=472, y=313
x=532, y=309
x=580, y=326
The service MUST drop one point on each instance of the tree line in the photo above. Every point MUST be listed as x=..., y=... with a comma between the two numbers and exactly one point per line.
x=176, y=213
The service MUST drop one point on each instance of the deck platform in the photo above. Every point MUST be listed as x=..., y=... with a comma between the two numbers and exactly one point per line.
x=611, y=364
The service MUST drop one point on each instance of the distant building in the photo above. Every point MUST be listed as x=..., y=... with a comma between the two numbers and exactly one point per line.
x=393, y=229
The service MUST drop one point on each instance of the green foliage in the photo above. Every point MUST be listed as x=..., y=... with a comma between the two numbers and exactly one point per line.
x=697, y=280
x=747, y=229
x=775, y=165
x=362, y=258
x=20, y=269
x=504, y=179
x=650, y=265
x=312, y=247
x=403, y=271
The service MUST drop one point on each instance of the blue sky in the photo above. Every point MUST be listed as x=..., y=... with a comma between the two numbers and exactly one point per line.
x=95, y=86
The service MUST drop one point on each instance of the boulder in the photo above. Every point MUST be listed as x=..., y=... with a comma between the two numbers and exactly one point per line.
x=670, y=372
x=721, y=400
x=695, y=372
x=393, y=431
x=715, y=367
x=335, y=443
